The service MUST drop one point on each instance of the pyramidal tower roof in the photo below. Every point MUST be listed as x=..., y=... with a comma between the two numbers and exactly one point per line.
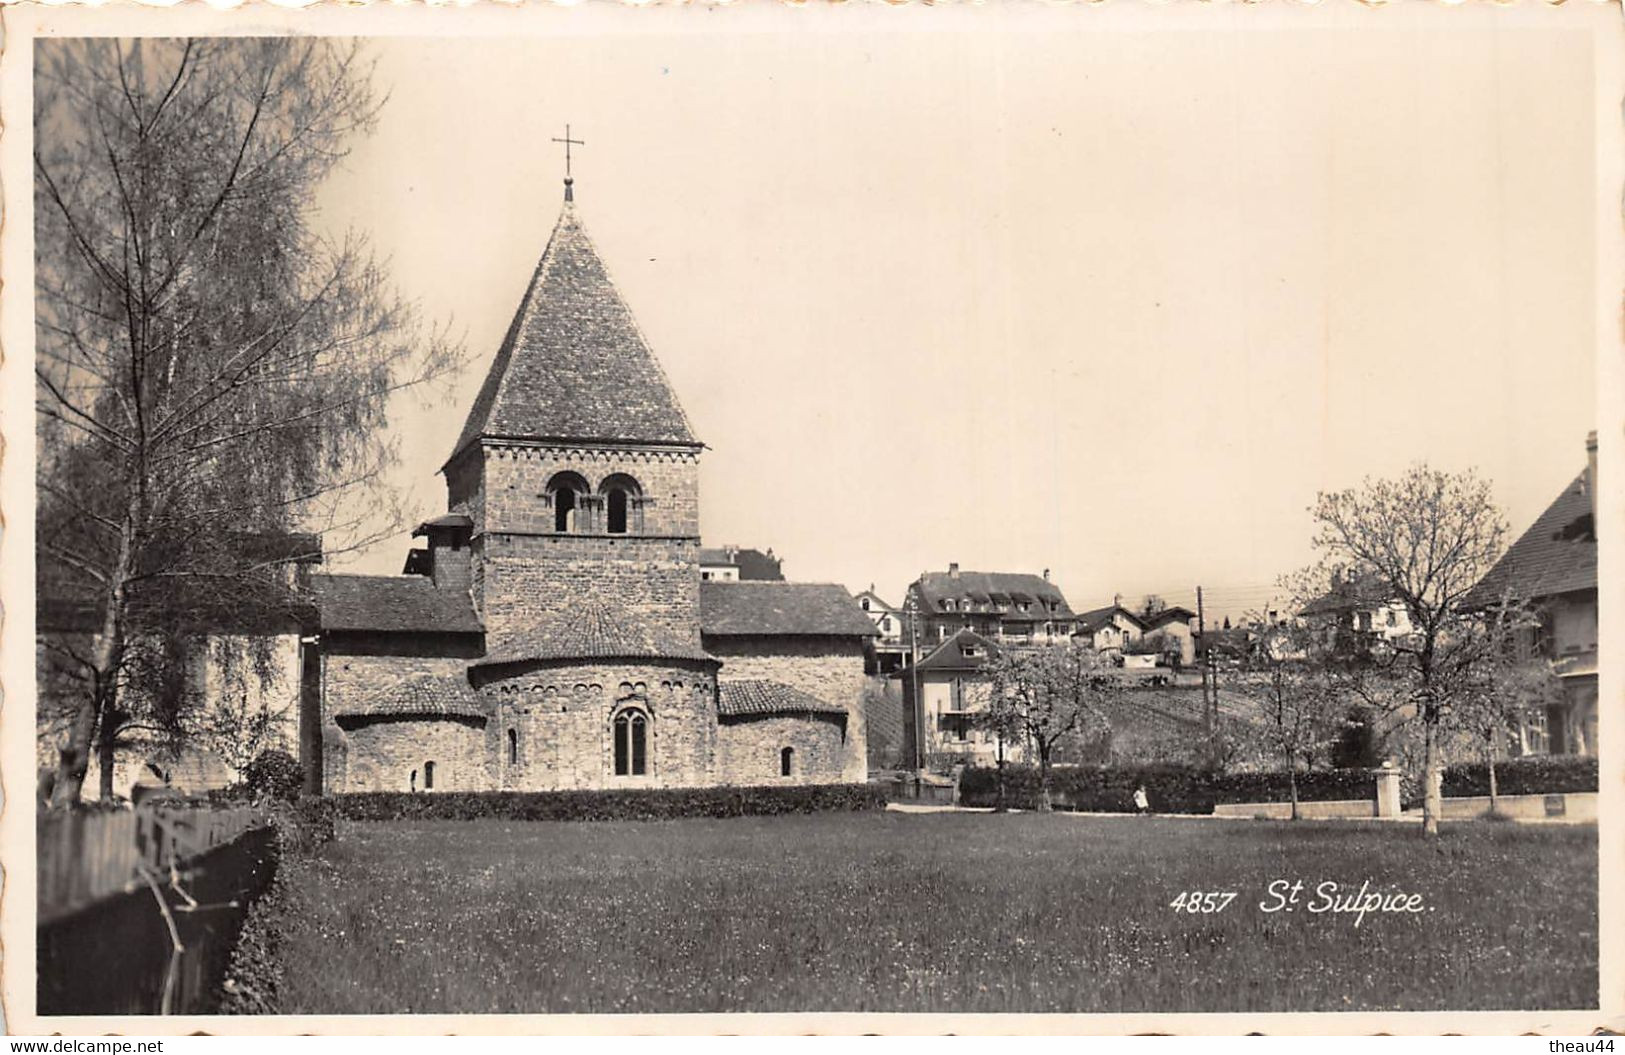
x=574, y=365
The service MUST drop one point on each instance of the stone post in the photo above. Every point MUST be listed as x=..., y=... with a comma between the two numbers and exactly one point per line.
x=1388, y=798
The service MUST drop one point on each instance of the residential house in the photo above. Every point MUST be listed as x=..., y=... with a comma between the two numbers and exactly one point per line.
x=1553, y=568
x=1176, y=626
x=945, y=691
x=237, y=654
x=733, y=564
x=1111, y=628
x=1006, y=607
x=891, y=647
x=1358, y=611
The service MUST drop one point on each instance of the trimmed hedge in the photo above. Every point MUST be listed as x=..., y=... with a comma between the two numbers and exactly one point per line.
x=1531, y=775
x=1169, y=787
x=254, y=974
x=621, y=804
x=1320, y=785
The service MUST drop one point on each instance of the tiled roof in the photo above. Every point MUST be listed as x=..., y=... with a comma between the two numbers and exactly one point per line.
x=1558, y=554
x=593, y=631
x=1172, y=614
x=1363, y=591
x=879, y=602
x=994, y=587
x=419, y=696
x=752, y=563
x=1095, y=618
x=950, y=655
x=573, y=364
x=750, y=696
x=446, y=520
x=779, y=609
x=407, y=603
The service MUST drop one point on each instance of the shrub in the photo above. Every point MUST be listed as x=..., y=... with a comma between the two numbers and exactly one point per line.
x=312, y=820
x=1169, y=787
x=1358, y=745
x=629, y=804
x=276, y=774
x=1321, y=785
x=1532, y=775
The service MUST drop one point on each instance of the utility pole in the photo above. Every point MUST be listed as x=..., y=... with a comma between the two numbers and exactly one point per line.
x=912, y=607
x=1205, y=659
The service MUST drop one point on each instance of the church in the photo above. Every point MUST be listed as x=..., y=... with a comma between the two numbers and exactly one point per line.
x=552, y=630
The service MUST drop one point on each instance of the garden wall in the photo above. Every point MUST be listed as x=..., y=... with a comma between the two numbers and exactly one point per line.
x=1336, y=809
x=1574, y=806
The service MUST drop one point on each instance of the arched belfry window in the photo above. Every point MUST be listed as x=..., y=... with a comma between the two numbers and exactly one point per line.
x=565, y=492
x=623, y=504
x=631, y=731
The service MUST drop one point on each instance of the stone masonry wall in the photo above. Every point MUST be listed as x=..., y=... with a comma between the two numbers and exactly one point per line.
x=351, y=681
x=829, y=668
x=530, y=580
x=523, y=571
x=562, y=718
x=748, y=749
x=384, y=753
x=508, y=494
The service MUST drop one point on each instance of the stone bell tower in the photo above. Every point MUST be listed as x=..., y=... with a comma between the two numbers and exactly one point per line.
x=578, y=468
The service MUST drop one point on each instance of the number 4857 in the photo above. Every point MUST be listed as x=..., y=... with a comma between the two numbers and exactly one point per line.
x=1194, y=901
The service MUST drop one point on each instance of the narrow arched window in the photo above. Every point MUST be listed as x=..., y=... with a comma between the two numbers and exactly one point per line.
x=566, y=491
x=623, y=504
x=428, y=776
x=631, y=744
x=787, y=761
x=513, y=747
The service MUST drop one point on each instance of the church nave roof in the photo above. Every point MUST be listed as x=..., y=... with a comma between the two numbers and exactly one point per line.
x=407, y=603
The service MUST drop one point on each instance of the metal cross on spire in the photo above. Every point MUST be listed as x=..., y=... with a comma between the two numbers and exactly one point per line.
x=569, y=180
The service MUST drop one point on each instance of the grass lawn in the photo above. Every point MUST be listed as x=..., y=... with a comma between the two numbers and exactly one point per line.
x=934, y=912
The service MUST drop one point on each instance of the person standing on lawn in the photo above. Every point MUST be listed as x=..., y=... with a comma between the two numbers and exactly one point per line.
x=1142, y=805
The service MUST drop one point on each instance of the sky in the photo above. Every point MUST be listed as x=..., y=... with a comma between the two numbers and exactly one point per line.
x=1113, y=304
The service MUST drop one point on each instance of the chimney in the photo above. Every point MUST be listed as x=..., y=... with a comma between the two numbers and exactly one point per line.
x=1046, y=575
x=953, y=570
x=1117, y=600
x=1591, y=474
x=450, y=564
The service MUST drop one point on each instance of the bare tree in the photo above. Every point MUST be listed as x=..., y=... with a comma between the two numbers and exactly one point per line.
x=1497, y=694
x=212, y=374
x=1043, y=696
x=1295, y=697
x=1426, y=538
